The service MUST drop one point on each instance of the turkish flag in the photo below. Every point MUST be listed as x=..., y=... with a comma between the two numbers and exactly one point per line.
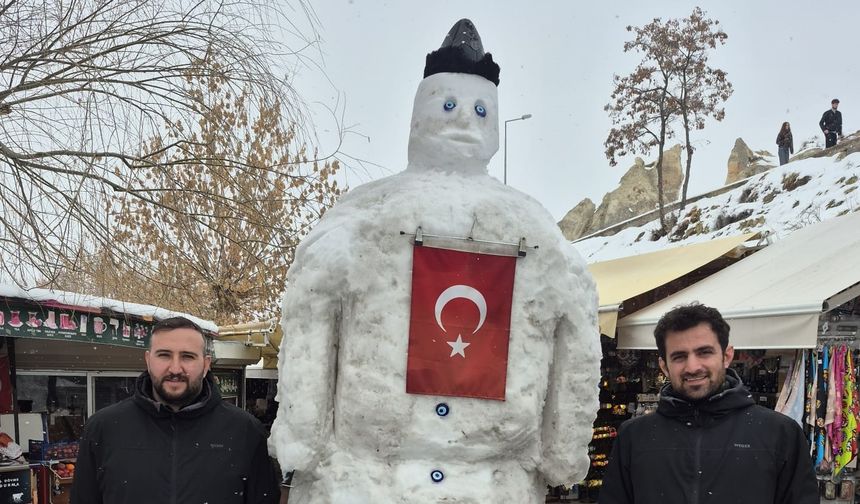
x=460, y=323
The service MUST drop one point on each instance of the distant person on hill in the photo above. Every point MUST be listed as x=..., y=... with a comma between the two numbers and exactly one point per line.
x=785, y=142
x=831, y=124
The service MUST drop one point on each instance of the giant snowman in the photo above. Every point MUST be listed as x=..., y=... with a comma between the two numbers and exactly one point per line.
x=347, y=425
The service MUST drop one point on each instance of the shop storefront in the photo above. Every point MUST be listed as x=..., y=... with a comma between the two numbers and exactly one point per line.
x=65, y=356
x=261, y=378
x=794, y=312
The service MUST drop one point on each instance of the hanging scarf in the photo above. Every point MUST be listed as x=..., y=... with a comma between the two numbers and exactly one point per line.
x=850, y=412
x=794, y=405
x=809, y=406
x=833, y=420
x=788, y=386
x=821, y=405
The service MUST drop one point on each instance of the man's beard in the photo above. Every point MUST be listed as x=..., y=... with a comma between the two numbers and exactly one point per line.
x=717, y=381
x=192, y=390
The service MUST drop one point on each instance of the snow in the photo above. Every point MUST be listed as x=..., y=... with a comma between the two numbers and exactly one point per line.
x=832, y=190
x=345, y=423
x=99, y=304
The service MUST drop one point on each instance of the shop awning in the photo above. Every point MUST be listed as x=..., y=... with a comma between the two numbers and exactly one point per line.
x=265, y=335
x=621, y=279
x=773, y=298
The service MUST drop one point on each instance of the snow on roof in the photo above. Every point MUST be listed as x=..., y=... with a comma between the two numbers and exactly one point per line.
x=774, y=203
x=99, y=303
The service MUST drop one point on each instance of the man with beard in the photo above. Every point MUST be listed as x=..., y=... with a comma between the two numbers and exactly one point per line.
x=708, y=442
x=175, y=440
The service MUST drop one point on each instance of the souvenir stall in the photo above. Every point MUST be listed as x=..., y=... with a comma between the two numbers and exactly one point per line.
x=794, y=316
x=261, y=378
x=64, y=356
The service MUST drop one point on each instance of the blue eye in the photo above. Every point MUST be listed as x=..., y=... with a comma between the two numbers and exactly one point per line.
x=450, y=104
x=481, y=110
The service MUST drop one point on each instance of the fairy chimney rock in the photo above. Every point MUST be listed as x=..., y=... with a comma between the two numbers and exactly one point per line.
x=744, y=163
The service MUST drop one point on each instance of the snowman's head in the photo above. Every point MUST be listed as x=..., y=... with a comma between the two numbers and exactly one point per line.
x=455, y=123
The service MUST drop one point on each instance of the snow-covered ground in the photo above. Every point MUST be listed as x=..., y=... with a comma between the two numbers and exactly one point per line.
x=774, y=203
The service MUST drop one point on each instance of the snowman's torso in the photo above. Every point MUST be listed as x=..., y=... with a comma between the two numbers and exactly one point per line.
x=373, y=415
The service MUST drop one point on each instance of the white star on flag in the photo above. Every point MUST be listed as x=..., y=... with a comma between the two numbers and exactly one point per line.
x=458, y=347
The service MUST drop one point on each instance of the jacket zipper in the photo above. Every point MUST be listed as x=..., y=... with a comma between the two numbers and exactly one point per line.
x=173, y=456
x=698, y=456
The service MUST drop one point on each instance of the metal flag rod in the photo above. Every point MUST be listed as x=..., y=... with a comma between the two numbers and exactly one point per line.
x=518, y=249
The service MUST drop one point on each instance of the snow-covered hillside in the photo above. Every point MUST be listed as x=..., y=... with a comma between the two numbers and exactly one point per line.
x=774, y=203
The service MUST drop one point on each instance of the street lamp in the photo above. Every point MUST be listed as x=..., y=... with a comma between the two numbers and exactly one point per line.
x=521, y=118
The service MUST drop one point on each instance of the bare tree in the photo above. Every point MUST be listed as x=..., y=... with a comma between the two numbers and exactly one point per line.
x=641, y=108
x=672, y=82
x=245, y=208
x=700, y=89
x=87, y=84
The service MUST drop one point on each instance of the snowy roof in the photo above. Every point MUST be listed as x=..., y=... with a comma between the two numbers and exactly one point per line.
x=99, y=303
x=774, y=203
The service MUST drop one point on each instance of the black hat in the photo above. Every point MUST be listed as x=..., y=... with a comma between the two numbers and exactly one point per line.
x=835, y=100
x=462, y=52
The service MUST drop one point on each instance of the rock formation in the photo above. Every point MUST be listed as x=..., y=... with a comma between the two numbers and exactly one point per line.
x=635, y=194
x=744, y=163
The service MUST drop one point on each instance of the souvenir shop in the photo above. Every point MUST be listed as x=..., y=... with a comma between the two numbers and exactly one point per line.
x=794, y=310
x=261, y=378
x=64, y=356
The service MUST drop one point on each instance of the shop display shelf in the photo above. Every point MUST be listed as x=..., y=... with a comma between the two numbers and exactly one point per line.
x=43, y=451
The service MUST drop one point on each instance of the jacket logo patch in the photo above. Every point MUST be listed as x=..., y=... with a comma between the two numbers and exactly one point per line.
x=741, y=445
x=216, y=445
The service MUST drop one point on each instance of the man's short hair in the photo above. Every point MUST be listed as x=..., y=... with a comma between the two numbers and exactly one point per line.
x=835, y=100
x=171, y=323
x=686, y=317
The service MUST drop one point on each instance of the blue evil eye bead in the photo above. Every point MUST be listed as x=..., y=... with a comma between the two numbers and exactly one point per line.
x=450, y=105
x=437, y=476
x=480, y=110
x=442, y=409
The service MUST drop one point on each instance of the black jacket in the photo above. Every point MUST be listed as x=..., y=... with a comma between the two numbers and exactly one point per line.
x=139, y=452
x=831, y=121
x=785, y=140
x=725, y=449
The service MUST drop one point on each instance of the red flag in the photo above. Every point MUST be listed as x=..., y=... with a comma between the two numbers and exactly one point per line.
x=460, y=323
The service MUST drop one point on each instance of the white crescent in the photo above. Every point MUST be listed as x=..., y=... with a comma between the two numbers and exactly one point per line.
x=464, y=292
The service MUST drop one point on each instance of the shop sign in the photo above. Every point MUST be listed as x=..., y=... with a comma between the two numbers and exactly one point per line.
x=15, y=486
x=31, y=320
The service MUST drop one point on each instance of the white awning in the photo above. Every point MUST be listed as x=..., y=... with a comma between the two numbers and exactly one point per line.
x=773, y=298
x=621, y=279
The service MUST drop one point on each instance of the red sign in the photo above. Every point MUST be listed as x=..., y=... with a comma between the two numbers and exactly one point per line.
x=5, y=381
x=460, y=323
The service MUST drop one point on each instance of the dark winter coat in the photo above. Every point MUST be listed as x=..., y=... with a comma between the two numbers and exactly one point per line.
x=725, y=449
x=139, y=452
x=785, y=140
x=831, y=121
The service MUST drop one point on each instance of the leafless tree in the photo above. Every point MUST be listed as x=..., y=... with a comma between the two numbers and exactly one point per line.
x=86, y=87
x=673, y=82
x=641, y=109
x=700, y=89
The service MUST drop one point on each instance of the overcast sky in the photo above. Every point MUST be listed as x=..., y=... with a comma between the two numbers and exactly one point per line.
x=786, y=60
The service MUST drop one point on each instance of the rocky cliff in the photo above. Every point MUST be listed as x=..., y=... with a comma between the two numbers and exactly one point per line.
x=744, y=163
x=636, y=193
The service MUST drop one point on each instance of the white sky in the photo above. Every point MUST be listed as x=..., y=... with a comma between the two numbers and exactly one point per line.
x=786, y=60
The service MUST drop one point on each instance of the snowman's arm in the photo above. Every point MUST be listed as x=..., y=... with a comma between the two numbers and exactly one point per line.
x=572, y=395
x=307, y=374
